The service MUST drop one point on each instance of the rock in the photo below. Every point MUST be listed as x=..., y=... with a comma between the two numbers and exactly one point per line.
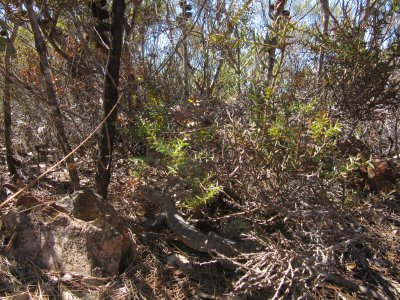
x=9, y=220
x=180, y=261
x=81, y=247
x=26, y=199
x=67, y=277
x=82, y=239
x=85, y=205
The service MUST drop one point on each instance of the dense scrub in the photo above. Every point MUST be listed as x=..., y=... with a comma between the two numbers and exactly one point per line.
x=276, y=123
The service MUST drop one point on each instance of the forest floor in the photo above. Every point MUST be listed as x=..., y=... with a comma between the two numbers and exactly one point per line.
x=310, y=251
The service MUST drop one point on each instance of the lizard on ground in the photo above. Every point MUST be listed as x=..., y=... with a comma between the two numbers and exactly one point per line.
x=210, y=243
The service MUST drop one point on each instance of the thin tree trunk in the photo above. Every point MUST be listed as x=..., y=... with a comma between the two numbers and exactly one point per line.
x=325, y=9
x=396, y=137
x=271, y=59
x=205, y=85
x=215, y=78
x=273, y=42
x=110, y=99
x=185, y=62
x=238, y=67
x=52, y=100
x=7, y=103
x=366, y=11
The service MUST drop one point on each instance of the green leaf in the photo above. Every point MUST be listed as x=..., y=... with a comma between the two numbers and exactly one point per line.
x=396, y=5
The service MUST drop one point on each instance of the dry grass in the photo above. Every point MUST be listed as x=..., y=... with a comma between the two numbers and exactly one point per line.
x=311, y=251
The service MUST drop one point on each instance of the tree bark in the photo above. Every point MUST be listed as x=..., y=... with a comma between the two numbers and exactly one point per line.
x=238, y=65
x=185, y=65
x=366, y=13
x=325, y=9
x=52, y=100
x=7, y=104
x=110, y=100
x=185, y=56
x=273, y=42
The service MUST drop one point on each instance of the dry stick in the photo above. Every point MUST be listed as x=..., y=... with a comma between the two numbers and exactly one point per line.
x=63, y=159
x=178, y=44
x=281, y=287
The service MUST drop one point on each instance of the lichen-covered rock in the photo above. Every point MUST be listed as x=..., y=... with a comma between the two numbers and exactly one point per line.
x=85, y=248
x=85, y=205
x=79, y=234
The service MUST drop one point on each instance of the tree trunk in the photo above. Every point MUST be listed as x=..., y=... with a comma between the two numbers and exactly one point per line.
x=325, y=9
x=273, y=42
x=110, y=99
x=238, y=66
x=7, y=104
x=185, y=62
x=366, y=13
x=52, y=100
